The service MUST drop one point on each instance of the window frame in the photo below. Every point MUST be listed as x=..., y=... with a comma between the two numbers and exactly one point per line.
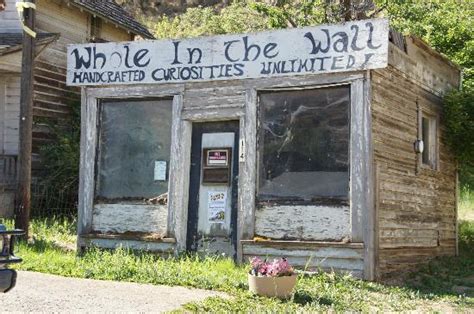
x=100, y=105
x=317, y=200
x=433, y=145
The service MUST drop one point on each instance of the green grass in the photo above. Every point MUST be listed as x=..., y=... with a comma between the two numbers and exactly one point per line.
x=466, y=204
x=51, y=251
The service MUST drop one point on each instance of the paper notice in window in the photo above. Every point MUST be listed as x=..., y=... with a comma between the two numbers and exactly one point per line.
x=216, y=205
x=160, y=170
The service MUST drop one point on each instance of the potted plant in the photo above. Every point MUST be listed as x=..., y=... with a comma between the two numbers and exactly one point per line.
x=271, y=279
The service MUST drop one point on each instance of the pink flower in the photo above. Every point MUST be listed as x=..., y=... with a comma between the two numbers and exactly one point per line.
x=277, y=268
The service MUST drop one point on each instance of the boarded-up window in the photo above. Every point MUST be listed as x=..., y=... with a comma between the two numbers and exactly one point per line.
x=135, y=138
x=304, y=144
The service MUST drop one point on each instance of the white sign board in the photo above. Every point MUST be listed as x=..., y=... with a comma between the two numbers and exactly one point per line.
x=352, y=46
x=160, y=171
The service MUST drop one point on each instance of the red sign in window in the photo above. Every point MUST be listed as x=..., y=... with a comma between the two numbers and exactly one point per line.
x=217, y=157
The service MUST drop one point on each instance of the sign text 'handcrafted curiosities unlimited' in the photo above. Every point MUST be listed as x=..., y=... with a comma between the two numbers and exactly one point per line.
x=351, y=46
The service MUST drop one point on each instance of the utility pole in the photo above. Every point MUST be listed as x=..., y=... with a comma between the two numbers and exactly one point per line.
x=23, y=199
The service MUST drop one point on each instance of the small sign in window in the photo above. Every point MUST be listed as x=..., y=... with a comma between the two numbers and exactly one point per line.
x=217, y=157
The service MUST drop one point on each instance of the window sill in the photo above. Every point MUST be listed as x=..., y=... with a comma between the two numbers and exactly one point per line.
x=296, y=202
x=289, y=243
x=135, y=236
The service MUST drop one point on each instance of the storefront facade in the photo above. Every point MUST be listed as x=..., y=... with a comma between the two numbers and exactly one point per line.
x=239, y=145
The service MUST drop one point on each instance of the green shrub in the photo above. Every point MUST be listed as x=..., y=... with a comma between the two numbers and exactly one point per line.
x=236, y=18
x=459, y=119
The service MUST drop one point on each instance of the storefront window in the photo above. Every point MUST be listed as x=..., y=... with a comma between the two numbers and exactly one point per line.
x=305, y=151
x=134, y=149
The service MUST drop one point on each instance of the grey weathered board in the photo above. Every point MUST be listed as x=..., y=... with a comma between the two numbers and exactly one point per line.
x=352, y=46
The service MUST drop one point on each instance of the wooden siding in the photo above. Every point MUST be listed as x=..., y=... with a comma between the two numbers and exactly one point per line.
x=9, y=114
x=415, y=205
x=311, y=256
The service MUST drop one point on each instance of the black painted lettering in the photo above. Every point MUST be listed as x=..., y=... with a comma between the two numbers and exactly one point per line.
x=80, y=62
x=267, y=51
x=191, y=52
x=171, y=72
x=137, y=59
x=239, y=67
x=321, y=67
x=99, y=56
x=265, y=68
x=335, y=62
x=211, y=68
x=194, y=72
x=77, y=78
x=176, y=51
x=248, y=48
x=127, y=56
x=350, y=61
x=155, y=75
x=367, y=58
x=370, y=26
x=228, y=70
x=185, y=74
x=340, y=45
x=227, y=45
x=316, y=44
x=355, y=38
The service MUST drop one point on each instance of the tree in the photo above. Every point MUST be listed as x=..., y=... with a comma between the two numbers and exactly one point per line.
x=448, y=26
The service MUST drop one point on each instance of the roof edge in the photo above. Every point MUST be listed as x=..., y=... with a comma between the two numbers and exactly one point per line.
x=143, y=34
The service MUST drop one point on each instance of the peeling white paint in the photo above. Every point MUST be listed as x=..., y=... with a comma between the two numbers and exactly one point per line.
x=303, y=222
x=121, y=218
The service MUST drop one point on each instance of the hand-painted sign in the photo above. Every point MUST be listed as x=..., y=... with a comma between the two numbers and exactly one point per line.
x=351, y=46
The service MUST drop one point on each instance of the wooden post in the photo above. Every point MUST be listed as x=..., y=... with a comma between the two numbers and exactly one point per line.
x=23, y=199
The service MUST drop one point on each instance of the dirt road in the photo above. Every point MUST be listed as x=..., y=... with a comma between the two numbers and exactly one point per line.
x=35, y=292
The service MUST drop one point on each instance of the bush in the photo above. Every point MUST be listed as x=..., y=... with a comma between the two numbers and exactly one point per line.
x=459, y=119
x=236, y=18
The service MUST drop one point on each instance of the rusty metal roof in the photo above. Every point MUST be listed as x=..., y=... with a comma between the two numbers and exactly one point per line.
x=110, y=10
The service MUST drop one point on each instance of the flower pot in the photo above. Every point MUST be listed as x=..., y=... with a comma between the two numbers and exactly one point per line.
x=280, y=287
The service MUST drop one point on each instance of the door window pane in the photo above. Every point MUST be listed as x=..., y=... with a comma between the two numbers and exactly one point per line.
x=305, y=151
x=134, y=134
x=429, y=133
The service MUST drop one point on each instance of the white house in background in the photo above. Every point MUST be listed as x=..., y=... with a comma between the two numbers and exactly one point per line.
x=58, y=23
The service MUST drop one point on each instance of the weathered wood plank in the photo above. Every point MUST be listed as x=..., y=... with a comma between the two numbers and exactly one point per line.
x=175, y=165
x=416, y=216
x=165, y=248
x=87, y=162
x=123, y=218
x=306, y=222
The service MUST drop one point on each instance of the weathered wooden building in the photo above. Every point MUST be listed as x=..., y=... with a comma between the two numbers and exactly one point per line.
x=58, y=24
x=322, y=144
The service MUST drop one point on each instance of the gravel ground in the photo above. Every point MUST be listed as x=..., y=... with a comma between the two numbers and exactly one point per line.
x=35, y=292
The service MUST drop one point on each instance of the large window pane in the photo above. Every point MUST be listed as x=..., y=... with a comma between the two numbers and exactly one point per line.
x=134, y=135
x=305, y=137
